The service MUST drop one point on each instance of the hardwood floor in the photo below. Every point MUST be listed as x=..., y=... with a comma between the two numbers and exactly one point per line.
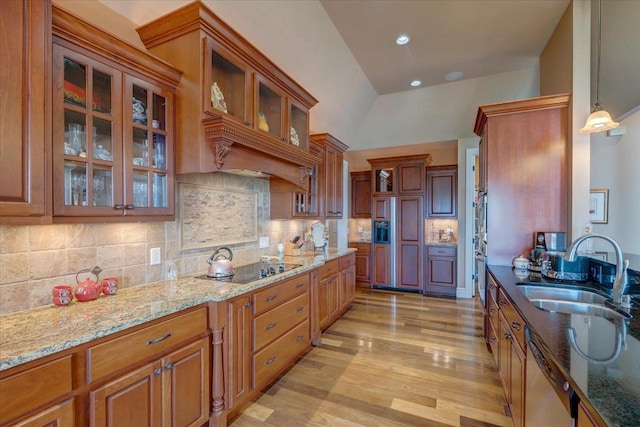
x=394, y=359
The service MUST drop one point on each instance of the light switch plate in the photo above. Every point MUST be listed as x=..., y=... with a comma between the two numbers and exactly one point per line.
x=155, y=256
x=264, y=242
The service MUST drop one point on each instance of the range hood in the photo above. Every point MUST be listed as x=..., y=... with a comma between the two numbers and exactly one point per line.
x=235, y=148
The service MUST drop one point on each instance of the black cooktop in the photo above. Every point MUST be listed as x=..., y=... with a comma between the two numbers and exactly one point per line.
x=252, y=272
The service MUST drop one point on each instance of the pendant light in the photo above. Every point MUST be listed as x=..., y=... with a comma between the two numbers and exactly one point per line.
x=599, y=120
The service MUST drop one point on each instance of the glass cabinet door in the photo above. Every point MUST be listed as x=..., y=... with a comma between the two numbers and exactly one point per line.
x=384, y=180
x=270, y=110
x=227, y=84
x=147, y=158
x=298, y=126
x=87, y=149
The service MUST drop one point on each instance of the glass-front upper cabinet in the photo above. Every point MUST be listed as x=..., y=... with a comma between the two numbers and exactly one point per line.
x=86, y=146
x=384, y=180
x=270, y=109
x=113, y=144
x=148, y=165
x=298, y=125
x=228, y=84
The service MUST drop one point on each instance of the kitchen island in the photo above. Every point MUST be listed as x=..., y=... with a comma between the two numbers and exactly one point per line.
x=604, y=370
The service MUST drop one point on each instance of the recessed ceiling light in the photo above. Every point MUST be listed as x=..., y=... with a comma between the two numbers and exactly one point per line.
x=416, y=83
x=454, y=75
x=402, y=39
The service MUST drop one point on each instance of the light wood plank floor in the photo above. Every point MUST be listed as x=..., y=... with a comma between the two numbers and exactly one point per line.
x=394, y=359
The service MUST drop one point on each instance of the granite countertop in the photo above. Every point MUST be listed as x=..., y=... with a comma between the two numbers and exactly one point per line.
x=605, y=368
x=31, y=334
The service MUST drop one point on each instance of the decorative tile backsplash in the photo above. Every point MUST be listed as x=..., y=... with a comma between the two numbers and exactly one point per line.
x=33, y=259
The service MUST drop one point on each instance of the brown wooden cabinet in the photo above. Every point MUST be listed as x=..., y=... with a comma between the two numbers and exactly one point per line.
x=382, y=207
x=410, y=242
x=523, y=169
x=381, y=265
x=507, y=342
x=328, y=303
x=113, y=133
x=442, y=192
x=172, y=390
x=361, y=194
x=333, y=174
x=62, y=414
x=363, y=264
x=347, y=288
x=25, y=110
x=441, y=271
x=38, y=393
x=238, y=109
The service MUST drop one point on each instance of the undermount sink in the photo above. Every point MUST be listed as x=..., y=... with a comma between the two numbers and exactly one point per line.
x=570, y=301
x=584, y=308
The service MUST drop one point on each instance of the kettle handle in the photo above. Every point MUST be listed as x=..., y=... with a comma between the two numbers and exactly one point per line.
x=216, y=255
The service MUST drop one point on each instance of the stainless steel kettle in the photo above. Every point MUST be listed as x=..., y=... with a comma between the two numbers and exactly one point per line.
x=220, y=265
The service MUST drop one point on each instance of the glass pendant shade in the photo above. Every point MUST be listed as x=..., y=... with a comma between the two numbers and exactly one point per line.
x=599, y=121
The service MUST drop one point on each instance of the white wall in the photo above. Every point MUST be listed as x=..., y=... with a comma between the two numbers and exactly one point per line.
x=615, y=165
x=465, y=218
x=443, y=112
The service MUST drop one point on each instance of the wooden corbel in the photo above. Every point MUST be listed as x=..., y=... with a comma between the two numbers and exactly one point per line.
x=223, y=148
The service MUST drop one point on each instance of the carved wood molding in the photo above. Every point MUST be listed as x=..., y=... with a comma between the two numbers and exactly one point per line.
x=223, y=148
x=217, y=393
x=305, y=173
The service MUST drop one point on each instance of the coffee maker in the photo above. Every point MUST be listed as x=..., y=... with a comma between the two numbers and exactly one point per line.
x=546, y=241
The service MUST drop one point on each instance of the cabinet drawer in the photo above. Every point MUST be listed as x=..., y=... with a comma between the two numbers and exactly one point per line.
x=515, y=322
x=347, y=261
x=276, y=295
x=328, y=269
x=270, y=325
x=441, y=251
x=363, y=248
x=268, y=362
x=110, y=356
x=35, y=387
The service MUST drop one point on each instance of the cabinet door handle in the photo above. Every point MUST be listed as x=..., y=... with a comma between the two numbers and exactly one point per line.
x=516, y=326
x=283, y=139
x=271, y=298
x=130, y=207
x=299, y=309
x=299, y=285
x=249, y=122
x=300, y=338
x=157, y=340
x=492, y=311
x=492, y=340
x=270, y=361
x=118, y=207
x=157, y=372
x=507, y=335
x=502, y=304
x=271, y=326
x=169, y=366
x=248, y=305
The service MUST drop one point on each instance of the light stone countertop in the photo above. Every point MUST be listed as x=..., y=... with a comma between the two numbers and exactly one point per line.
x=31, y=334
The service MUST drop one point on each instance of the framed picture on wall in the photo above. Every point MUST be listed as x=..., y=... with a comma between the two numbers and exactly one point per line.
x=599, y=206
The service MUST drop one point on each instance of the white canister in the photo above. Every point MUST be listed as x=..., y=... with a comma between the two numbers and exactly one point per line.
x=521, y=263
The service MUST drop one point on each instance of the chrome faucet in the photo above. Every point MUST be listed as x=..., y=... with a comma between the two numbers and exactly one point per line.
x=620, y=282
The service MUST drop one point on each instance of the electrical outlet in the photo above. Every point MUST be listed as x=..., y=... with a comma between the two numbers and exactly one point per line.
x=155, y=256
x=264, y=242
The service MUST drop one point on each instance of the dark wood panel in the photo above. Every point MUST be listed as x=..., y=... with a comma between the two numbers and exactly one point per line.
x=442, y=192
x=381, y=208
x=411, y=178
x=361, y=194
x=381, y=265
x=410, y=274
x=410, y=219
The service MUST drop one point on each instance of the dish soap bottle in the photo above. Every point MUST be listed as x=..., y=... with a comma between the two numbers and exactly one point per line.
x=280, y=251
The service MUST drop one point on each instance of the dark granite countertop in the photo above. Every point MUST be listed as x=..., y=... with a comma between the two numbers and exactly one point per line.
x=609, y=382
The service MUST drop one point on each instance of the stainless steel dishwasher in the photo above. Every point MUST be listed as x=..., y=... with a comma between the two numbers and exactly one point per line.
x=549, y=399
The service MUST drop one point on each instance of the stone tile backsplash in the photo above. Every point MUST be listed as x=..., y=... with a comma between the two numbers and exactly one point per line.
x=33, y=259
